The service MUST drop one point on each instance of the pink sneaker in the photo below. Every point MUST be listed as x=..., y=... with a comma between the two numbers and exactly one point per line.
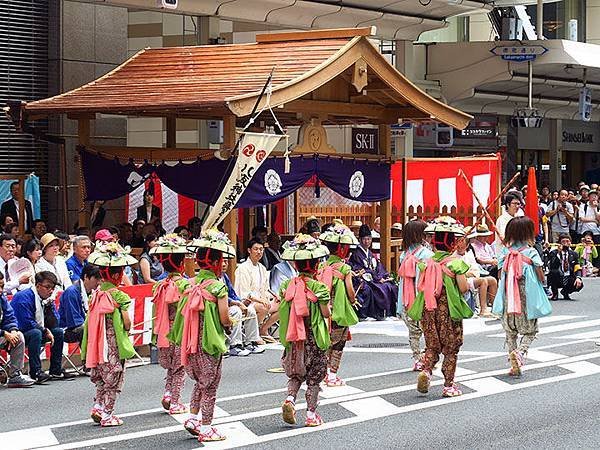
x=314, y=422
x=335, y=382
x=423, y=382
x=111, y=421
x=192, y=425
x=166, y=401
x=212, y=435
x=451, y=391
x=177, y=408
x=418, y=366
x=96, y=414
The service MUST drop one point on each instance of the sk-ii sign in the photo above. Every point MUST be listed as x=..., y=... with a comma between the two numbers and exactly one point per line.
x=365, y=140
x=519, y=52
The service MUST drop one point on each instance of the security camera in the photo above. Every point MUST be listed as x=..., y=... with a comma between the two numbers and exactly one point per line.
x=167, y=4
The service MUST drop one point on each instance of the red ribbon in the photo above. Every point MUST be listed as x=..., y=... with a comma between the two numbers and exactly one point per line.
x=166, y=293
x=298, y=294
x=101, y=304
x=197, y=295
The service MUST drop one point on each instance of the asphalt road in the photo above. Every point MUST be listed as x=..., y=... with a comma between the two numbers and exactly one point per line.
x=553, y=405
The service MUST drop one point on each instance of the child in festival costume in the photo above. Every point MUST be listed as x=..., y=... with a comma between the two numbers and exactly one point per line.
x=303, y=329
x=106, y=344
x=440, y=306
x=588, y=253
x=337, y=276
x=414, y=251
x=521, y=298
x=199, y=329
x=170, y=251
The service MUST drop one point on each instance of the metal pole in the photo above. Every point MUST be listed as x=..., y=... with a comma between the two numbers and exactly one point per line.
x=540, y=19
x=65, y=190
x=530, y=85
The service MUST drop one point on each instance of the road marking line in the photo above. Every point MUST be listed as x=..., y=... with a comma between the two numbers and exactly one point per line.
x=582, y=367
x=562, y=327
x=218, y=413
x=24, y=439
x=371, y=407
x=337, y=400
x=488, y=385
x=237, y=435
x=338, y=391
x=460, y=371
x=586, y=335
x=540, y=355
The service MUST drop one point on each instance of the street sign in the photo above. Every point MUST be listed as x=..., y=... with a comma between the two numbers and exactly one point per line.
x=365, y=140
x=519, y=52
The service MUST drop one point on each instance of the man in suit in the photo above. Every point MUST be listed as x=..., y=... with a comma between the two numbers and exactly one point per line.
x=74, y=303
x=148, y=212
x=11, y=206
x=564, y=269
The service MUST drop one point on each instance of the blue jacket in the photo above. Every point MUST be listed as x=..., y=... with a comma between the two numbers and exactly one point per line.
x=71, y=310
x=75, y=268
x=233, y=297
x=23, y=303
x=8, y=321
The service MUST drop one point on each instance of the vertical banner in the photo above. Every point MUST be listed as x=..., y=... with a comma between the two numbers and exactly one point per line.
x=254, y=149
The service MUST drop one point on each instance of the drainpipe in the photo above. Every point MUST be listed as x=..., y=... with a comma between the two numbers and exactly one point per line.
x=540, y=19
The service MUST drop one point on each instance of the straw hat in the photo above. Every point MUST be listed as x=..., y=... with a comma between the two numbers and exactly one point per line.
x=480, y=230
x=302, y=247
x=47, y=239
x=445, y=224
x=215, y=239
x=397, y=226
x=111, y=254
x=356, y=224
x=170, y=243
x=339, y=234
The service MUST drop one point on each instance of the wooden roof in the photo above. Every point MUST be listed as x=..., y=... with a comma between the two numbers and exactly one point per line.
x=312, y=74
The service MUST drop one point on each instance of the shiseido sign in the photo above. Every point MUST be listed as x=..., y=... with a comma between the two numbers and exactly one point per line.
x=578, y=137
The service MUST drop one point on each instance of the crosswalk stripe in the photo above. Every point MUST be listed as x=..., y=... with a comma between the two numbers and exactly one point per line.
x=540, y=355
x=562, y=327
x=372, y=407
x=460, y=371
x=24, y=439
x=489, y=385
x=582, y=367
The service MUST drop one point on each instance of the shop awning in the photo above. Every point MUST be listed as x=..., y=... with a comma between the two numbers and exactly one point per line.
x=477, y=80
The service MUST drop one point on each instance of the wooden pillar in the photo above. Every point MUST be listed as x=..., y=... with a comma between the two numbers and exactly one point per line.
x=84, y=139
x=385, y=211
x=230, y=224
x=171, y=132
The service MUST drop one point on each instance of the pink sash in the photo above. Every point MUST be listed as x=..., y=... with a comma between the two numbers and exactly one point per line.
x=298, y=294
x=166, y=293
x=197, y=295
x=513, y=267
x=408, y=272
x=432, y=280
x=101, y=304
x=327, y=273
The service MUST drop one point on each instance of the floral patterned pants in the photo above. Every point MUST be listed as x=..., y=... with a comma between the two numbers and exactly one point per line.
x=169, y=358
x=339, y=336
x=205, y=370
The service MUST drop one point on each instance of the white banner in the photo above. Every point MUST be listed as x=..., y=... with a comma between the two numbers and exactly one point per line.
x=254, y=149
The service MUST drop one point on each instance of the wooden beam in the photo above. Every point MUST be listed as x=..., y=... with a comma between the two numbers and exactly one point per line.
x=153, y=153
x=171, y=132
x=83, y=132
x=385, y=211
x=230, y=224
x=338, y=33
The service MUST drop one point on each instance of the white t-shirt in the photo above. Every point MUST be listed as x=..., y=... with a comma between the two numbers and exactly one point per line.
x=588, y=212
x=559, y=221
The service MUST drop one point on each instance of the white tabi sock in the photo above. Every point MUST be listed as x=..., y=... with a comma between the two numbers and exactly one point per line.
x=310, y=414
x=290, y=398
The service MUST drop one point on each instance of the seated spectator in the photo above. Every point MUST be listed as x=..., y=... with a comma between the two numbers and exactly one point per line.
x=183, y=232
x=51, y=262
x=8, y=248
x=195, y=226
x=38, y=321
x=588, y=254
x=564, y=269
x=82, y=247
x=355, y=226
x=138, y=239
x=151, y=269
x=485, y=255
x=12, y=229
x=38, y=229
x=397, y=230
x=252, y=287
x=484, y=285
x=376, y=237
x=377, y=293
x=280, y=273
x=13, y=342
x=271, y=255
x=74, y=303
x=64, y=244
x=244, y=318
x=260, y=232
x=125, y=233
